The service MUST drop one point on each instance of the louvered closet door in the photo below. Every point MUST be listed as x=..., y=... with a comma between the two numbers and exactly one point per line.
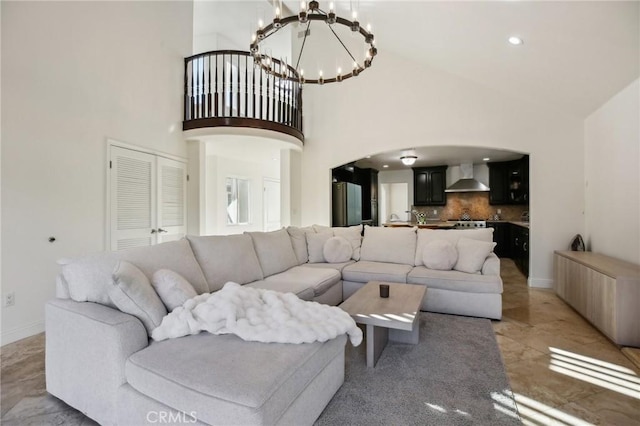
x=172, y=206
x=133, y=199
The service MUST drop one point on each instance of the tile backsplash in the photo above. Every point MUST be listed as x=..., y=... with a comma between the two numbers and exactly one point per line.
x=475, y=203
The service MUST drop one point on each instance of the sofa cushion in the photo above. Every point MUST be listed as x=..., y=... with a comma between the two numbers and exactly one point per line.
x=365, y=271
x=226, y=258
x=337, y=250
x=274, y=251
x=299, y=242
x=354, y=235
x=317, y=279
x=389, y=245
x=337, y=266
x=133, y=294
x=321, y=228
x=425, y=236
x=172, y=288
x=203, y=371
x=301, y=290
x=315, y=246
x=88, y=277
x=455, y=280
x=439, y=254
x=472, y=254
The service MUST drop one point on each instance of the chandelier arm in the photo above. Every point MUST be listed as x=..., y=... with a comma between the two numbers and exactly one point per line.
x=306, y=32
x=315, y=14
x=345, y=47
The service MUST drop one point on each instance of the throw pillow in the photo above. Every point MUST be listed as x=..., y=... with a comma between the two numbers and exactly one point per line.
x=337, y=250
x=299, y=242
x=133, y=294
x=172, y=288
x=274, y=250
x=440, y=255
x=389, y=245
x=315, y=246
x=353, y=234
x=472, y=254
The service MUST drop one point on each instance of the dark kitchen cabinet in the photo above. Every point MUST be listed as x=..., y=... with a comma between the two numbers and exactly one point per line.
x=520, y=248
x=509, y=182
x=368, y=179
x=501, y=236
x=429, y=184
x=497, y=184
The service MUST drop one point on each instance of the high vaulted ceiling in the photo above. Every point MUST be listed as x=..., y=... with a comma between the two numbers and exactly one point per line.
x=576, y=55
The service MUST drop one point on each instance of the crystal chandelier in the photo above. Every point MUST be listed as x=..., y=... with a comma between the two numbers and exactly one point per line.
x=308, y=15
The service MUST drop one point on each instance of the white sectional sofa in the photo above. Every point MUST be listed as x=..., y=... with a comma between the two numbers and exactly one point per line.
x=100, y=360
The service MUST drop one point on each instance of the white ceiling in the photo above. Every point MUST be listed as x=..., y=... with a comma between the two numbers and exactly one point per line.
x=436, y=156
x=576, y=54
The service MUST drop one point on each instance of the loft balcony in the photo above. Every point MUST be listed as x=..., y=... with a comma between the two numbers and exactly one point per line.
x=227, y=88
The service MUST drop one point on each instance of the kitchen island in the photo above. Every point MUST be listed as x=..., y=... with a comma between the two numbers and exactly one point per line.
x=429, y=225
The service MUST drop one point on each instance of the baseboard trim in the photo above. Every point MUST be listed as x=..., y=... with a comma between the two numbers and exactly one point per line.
x=540, y=282
x=21, y=332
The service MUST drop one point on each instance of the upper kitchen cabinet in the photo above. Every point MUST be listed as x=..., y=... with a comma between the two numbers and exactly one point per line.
x=509, y=182
x=429, y=184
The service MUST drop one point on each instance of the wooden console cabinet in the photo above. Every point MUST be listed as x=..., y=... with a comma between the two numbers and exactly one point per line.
x=605, y=290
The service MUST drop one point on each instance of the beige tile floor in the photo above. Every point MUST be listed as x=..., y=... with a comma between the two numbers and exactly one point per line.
x=562, y=370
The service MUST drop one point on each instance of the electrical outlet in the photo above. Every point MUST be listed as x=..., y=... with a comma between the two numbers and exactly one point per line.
x=499, y=211
x=10, y=299
x=435, y=211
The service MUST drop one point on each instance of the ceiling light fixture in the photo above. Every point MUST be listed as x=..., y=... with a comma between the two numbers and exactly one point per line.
x=307, y=15
x=408, y=160
x=486, y=159
x=385, y=166
x=516, y=41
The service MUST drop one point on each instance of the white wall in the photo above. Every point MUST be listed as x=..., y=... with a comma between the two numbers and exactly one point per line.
x=218, y=169
x=398, y=103
x=75, y=74
x=390, y=177
x=612, y=176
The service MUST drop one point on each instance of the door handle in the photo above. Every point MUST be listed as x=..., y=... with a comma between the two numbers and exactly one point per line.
x=160, y=230
x=153, y=231
x=524, y=246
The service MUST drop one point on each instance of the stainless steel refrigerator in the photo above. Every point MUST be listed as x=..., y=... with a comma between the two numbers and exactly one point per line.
x=347, y=204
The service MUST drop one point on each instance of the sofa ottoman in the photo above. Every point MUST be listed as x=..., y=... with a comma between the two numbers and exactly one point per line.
x=249, y=382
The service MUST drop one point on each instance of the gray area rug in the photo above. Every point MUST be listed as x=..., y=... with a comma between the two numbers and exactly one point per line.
x=454, y=376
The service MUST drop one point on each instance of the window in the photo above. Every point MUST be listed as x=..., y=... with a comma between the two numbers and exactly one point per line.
x=237, y=201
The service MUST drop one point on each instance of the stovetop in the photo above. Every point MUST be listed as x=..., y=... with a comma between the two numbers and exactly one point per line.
x=470, y=223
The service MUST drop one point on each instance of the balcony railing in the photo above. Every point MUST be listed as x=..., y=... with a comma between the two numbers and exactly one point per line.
x=226, y=88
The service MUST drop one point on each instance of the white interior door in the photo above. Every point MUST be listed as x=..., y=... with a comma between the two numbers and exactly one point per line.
x=132, y=199
x=271, y=204
x=172, y=206
x=399, y=200
x=147, y=198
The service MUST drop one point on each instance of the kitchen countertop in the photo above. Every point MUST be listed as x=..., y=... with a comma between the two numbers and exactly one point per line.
x=428, y=225
x=437, y=224
x=515, y=222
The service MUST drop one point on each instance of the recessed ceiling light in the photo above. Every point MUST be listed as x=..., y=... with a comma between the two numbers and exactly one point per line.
x=385, y=166
x=516, y=41
x=486, y=159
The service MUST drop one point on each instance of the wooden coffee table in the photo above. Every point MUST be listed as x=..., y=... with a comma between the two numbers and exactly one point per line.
x=395, y=318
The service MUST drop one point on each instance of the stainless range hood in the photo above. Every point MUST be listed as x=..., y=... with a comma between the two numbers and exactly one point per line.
x=467, y=183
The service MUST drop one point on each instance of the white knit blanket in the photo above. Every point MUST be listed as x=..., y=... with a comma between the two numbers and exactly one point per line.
x=258, y=315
